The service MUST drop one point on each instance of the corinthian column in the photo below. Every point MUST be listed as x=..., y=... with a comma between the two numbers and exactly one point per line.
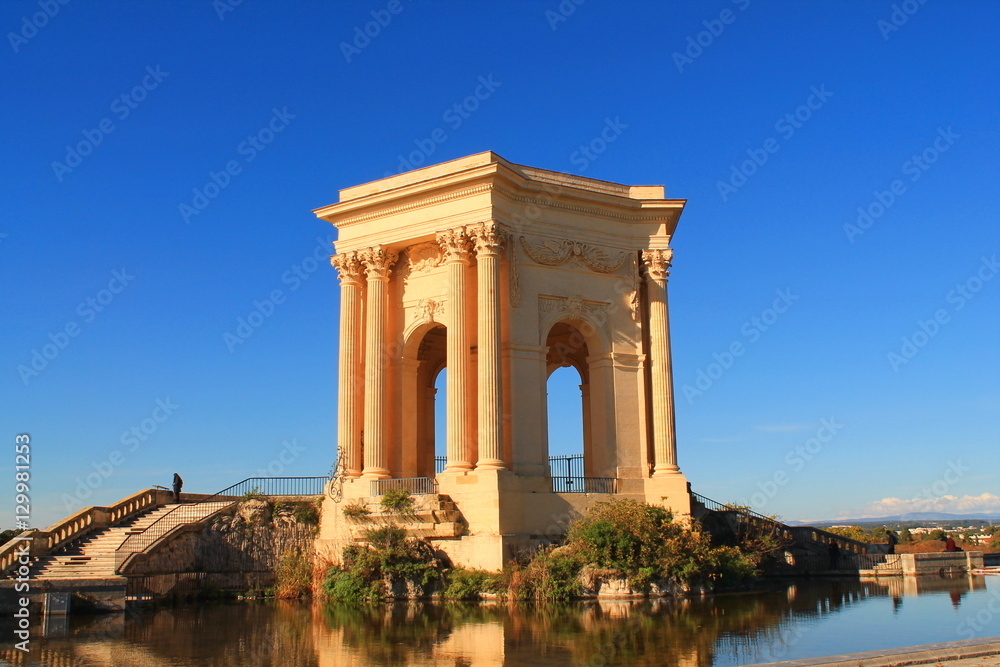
x=378, y=261
x=349, y=392
x=657, y=264
x=489, y=238
x=455, y=247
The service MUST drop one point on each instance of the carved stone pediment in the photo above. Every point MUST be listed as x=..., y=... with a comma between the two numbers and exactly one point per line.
x=554, y=252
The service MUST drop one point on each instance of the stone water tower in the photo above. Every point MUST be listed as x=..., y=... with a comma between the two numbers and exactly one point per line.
x=500, y=273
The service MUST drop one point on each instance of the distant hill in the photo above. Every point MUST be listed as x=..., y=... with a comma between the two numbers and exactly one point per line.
x=910, y=516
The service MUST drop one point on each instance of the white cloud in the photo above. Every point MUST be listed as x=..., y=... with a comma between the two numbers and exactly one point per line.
x=985, y=502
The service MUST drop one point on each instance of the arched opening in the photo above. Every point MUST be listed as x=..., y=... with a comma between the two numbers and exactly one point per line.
x=423, y=400
x=441, y=420
x=567, y=407
x=564, y=398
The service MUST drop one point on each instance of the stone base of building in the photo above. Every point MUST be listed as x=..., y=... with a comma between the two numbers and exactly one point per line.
x=483, y=519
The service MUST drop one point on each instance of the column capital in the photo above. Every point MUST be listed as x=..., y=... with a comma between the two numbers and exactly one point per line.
x=455, y=244
x=378, y=261
x=489, y=237
x=657, y=262
x=349, y=267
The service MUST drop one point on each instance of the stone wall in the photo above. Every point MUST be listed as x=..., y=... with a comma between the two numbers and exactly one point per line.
x=234, y=552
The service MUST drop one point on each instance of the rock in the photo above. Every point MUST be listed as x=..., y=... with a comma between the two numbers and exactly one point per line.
x=254, y=512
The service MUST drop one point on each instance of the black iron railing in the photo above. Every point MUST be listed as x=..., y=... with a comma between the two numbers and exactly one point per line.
x=584, y=485
x=417, y=486
x=566, y=466
x=559, y=466
x=800, y=534
x=200, y=510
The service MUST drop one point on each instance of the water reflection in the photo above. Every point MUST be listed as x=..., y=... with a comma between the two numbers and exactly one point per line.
x=804, y=619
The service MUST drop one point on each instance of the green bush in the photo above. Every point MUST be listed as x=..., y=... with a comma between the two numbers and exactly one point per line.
x=307, y=514
x=465, y=584
x=398, y=501
x=293, y=575
x=642, y=543
x=388, y=557
x=356, y=510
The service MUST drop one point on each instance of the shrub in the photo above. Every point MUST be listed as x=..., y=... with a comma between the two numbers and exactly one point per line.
x=307, y=514
x=552, y=575
x=471, y=584
x=293, y=575
x=642, y=543
x=388, y=557
x=254, y=494
x=398, y=501
x=356, y=510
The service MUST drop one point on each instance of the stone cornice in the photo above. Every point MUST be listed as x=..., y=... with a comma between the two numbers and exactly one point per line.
x=531, y=193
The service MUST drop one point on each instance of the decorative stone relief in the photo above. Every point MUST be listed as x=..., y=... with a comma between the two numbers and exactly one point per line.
x=423, y=257
x=657, y=262
x=428, y=310
x=349, y=266
x=633, y=279
x=378, y=261
x=454, y=244
x=488, y=237
x=573, y=307
x=515, y=277
x=565, y=251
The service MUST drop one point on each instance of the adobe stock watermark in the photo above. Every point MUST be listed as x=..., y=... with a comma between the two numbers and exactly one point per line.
x=248, y=149
x=697, y=43
x=752, y=330
x=363, y=35
x=787, y=125
x=926, y=330
x=973, y=624
x=30, y=25
x=795, y=460
x=87, y=311
x=291, y=450
x=131, y=441
x=294, y=277
x=562, y=12
x=121, y=108
x=901, y=13
x=223, y=7
x=590, y=151
x=454, y=116
x=913, y=168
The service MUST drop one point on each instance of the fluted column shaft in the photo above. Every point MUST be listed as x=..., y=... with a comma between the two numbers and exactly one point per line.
x=657, y=264
x=350, y=387
x=378, y=262
x=455, y=248
x=489, y=239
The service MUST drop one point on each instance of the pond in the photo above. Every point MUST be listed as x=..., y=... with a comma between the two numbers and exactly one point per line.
x=786, y=621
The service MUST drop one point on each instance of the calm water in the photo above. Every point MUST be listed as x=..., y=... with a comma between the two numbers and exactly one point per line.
x=791, y=621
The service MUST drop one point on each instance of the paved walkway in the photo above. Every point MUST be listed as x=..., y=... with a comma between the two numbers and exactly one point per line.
x=967, y=653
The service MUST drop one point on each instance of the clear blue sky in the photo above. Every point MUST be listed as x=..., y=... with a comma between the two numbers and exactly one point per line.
x=833, y=103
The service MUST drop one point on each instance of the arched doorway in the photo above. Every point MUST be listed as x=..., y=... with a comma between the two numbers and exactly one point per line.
x=567, y=409
x=423, y=373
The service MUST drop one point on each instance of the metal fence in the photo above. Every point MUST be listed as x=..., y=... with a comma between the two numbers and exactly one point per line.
x=192, y=512
x=417, y=486
x=584, y=485
x=566, y=466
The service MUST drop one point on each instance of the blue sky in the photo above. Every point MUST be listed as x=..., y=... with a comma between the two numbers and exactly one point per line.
x=162, y=160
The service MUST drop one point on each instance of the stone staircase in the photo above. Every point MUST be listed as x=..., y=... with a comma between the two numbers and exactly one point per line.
x=435, y=516
x=93, y=556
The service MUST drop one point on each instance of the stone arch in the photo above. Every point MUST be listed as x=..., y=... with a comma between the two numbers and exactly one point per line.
x=566, y=346
x=424, y=356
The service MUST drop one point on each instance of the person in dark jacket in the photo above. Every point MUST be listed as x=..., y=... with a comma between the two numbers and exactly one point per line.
x=178, y=483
